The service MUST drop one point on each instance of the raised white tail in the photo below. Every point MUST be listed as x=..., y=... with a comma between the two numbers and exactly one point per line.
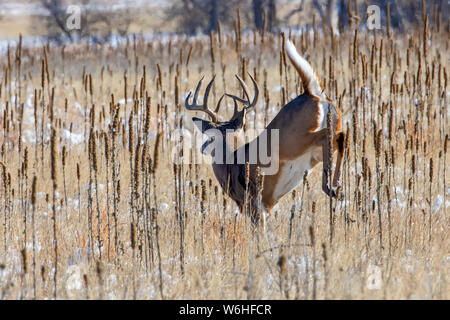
x=311, y=81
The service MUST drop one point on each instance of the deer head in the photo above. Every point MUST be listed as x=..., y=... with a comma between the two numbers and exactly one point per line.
x=215, y=129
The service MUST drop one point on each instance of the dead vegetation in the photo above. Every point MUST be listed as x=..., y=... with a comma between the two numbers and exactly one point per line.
x=91, y=205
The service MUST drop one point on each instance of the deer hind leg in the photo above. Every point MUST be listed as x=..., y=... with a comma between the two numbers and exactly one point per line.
x=258, y=213
x=322, y=140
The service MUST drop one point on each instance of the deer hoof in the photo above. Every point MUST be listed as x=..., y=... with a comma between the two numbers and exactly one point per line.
x=339, y=193
x=334, y=192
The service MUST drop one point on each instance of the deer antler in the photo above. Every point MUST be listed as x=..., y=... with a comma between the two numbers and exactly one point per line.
x=204, y=106
x=249, y=104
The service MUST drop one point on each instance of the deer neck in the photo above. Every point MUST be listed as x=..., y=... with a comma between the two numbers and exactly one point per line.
x=229, y=144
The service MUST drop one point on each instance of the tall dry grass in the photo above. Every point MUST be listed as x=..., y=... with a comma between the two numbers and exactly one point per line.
x=93, y=207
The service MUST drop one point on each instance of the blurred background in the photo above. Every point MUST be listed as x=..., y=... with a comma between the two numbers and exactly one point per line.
x=102, y=19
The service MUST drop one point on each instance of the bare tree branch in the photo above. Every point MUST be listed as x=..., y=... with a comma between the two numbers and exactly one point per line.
x=290, y=14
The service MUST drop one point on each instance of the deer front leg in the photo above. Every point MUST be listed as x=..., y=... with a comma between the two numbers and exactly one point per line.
x=326, y=156
x=321, y=141
x=339, y=140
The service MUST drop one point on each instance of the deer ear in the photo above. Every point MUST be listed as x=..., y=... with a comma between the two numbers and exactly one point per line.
x=202, y=125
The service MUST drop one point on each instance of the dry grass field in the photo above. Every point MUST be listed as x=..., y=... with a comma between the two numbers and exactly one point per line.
x=92, y=206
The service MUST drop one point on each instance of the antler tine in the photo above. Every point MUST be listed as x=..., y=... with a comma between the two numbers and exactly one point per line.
x=197, y=89
x=255, y=98
x=244, y=87
x=235, y=112
x=218, y=104
x=194, y=104
x=204, y=106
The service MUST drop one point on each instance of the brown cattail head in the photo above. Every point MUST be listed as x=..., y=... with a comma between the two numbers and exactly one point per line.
x=63, y=156
x=43, y=273
x=431, y=169
x=282, y=263
x=446, y=143
x=156, y=153
x=137, y=159
x=78, y=171
x=86, y=281
x=130, y=134
x=203, y=201
x=33, y=191
x=25, y=161
x=388, y=18
x=93, y=149
x=159, y=76
x=212, y=40
x=311, y=235
x=42, y=74
x=379, y=142
x=99, y=268
x=410, y=183
x=106, y=140
x=53, y=157
x=324, y=252
x=91, y=87
x=148, y=104
x=118, y=191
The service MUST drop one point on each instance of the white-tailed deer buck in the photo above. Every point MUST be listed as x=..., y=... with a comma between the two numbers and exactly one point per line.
x=303, y=142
